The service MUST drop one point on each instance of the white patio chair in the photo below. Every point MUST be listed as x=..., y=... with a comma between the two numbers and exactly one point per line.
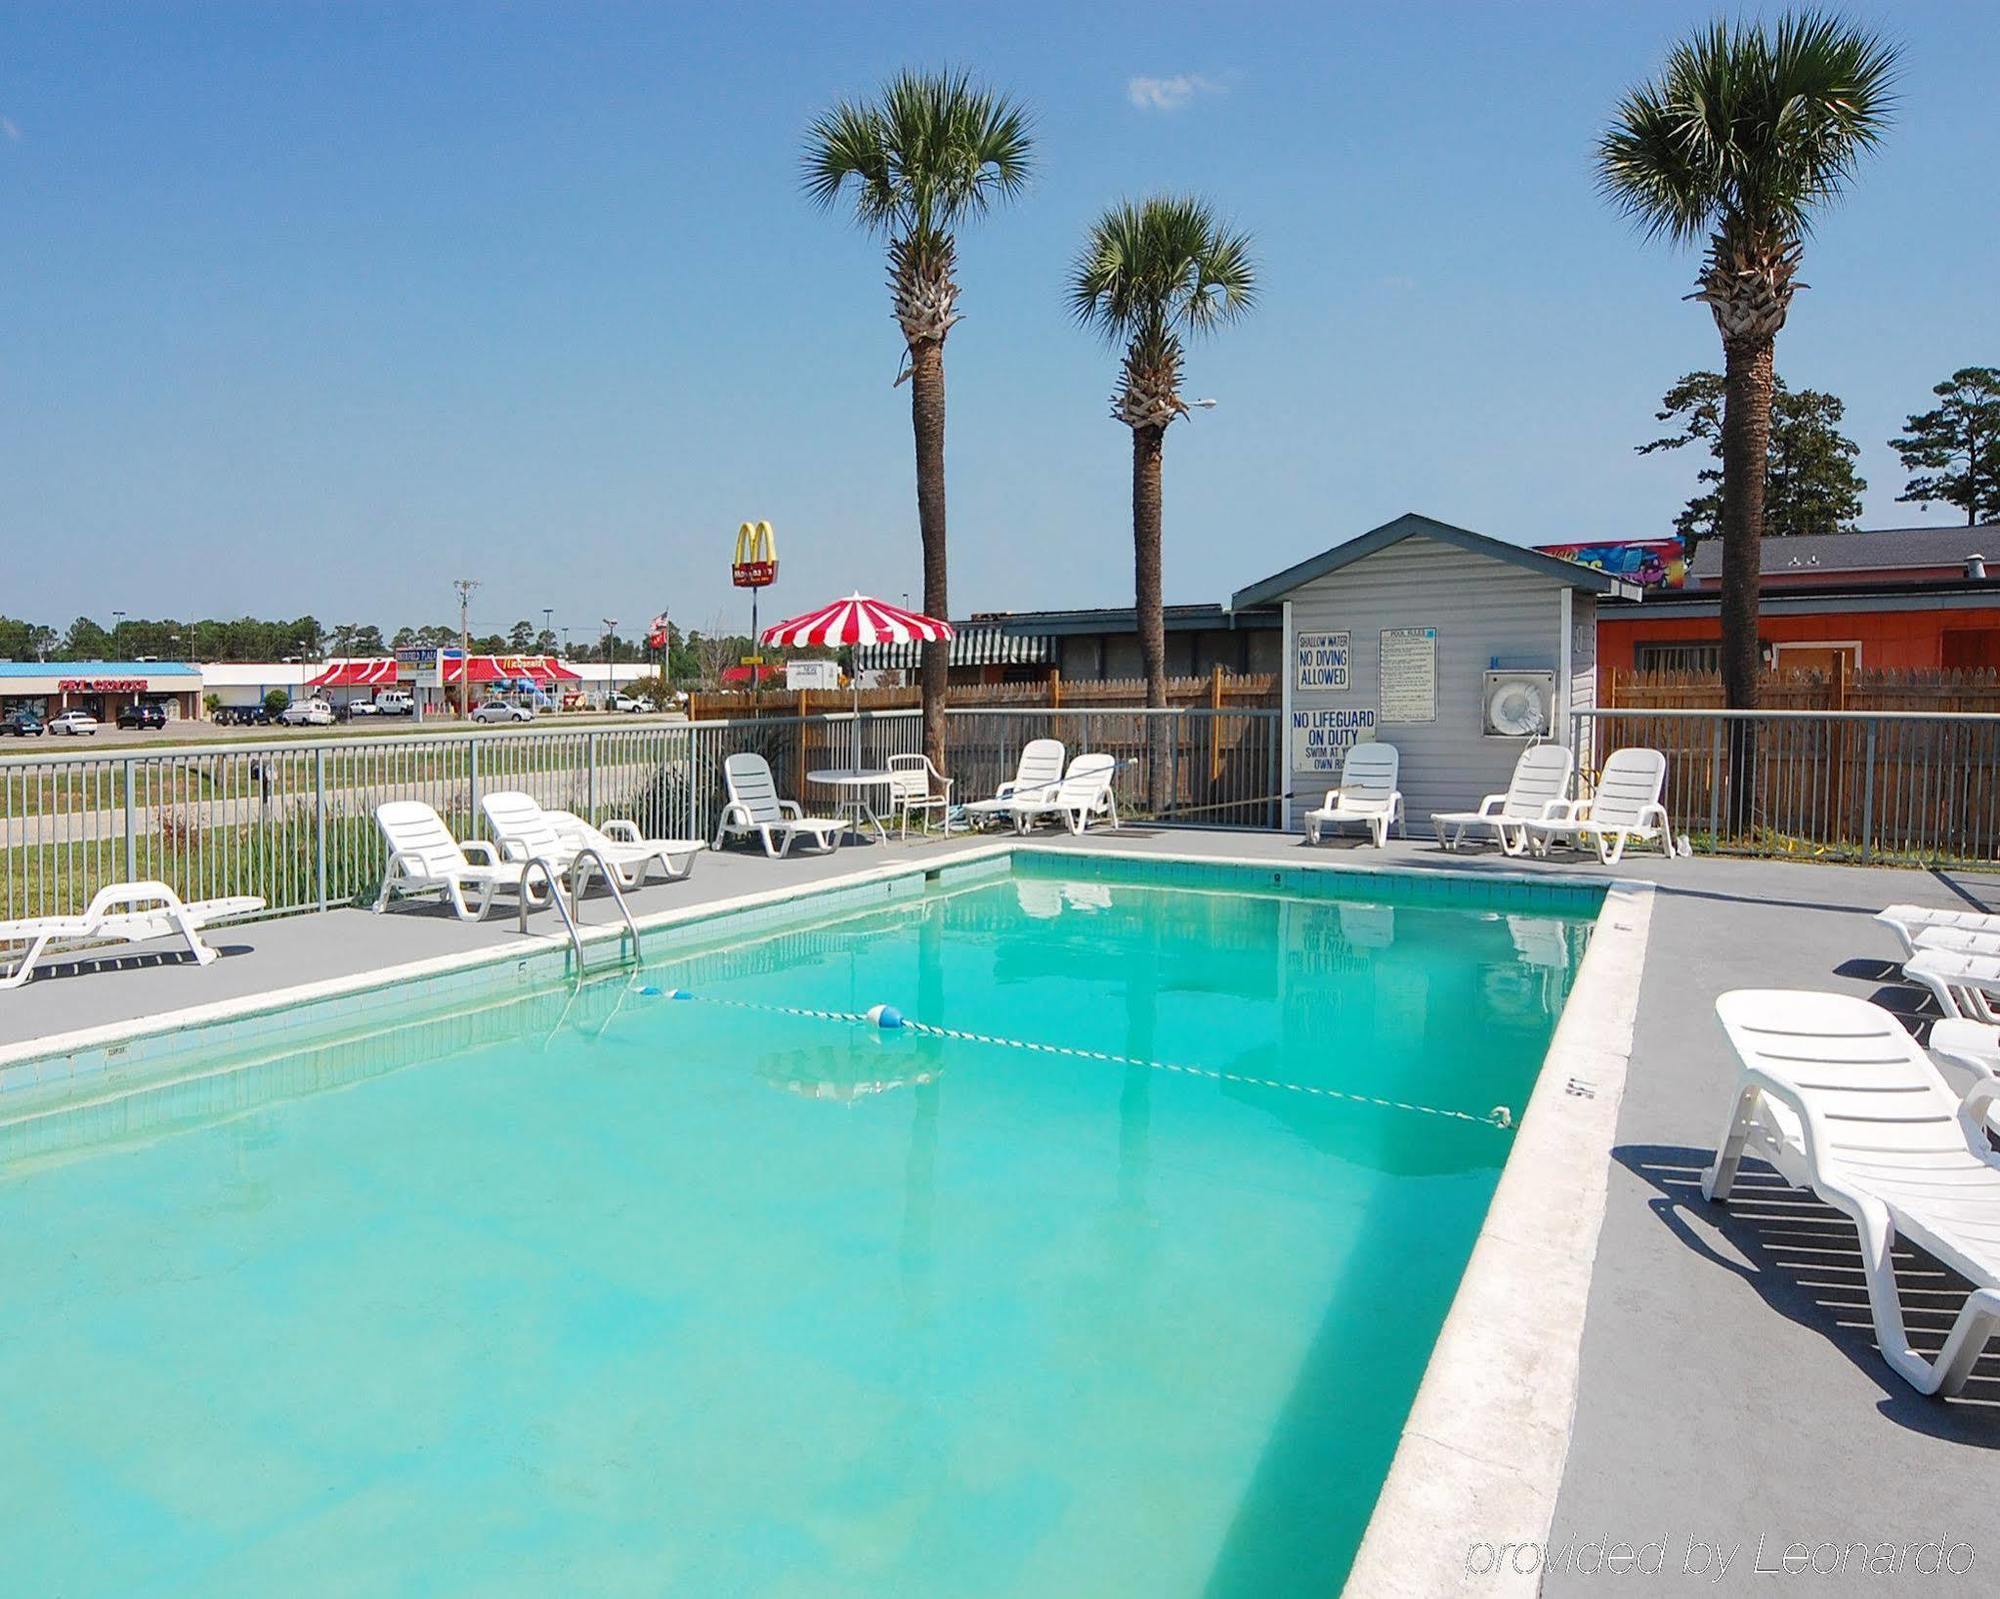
x=1040, y=768
x=1964, y=982
x=1367, y=794
x=1840, y=1099
x=425, y=859
x=915, y=785
x=1540, y=784
x=120, y=913
x=1083, y=794
x=1626, y=809
x=754, y=807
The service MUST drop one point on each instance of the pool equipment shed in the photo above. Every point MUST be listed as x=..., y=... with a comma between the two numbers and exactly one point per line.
x=1455, y=647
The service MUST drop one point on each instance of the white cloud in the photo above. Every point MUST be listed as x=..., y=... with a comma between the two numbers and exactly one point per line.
x=10, y=129
x=1169, y=94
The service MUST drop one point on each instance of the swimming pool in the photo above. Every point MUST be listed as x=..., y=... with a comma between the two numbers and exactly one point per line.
x=1120, y=1280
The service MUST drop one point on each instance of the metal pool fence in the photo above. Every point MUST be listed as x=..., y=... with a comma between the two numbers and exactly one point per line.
x=291, y=820
x=1860, y=785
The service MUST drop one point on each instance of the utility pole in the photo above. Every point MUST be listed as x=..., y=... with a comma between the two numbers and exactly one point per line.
x=549, y=626
x=611, y=655
x=465, y=586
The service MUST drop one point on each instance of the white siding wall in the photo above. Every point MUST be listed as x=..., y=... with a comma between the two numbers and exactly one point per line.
x=1481, y=609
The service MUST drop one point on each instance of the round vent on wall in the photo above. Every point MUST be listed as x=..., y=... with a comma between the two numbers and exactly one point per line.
x=1520, y=704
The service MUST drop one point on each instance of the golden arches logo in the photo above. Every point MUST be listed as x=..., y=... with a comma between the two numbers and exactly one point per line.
x=756, y=564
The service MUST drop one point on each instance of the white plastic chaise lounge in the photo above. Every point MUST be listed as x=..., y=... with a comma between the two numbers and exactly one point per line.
x=1841, y=1100
x=1908, y=921
x=1039, y=770
x=425, y=859
x=1536, y=792
x=1965, y=982
x=1625, y=810
x=1367, y=793
x=527, y=832
x=1084, y=792
x=629, y=851
x=754, y=807
x=120, y=913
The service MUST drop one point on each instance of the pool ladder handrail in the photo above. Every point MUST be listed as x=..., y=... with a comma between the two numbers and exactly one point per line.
x=572, y=912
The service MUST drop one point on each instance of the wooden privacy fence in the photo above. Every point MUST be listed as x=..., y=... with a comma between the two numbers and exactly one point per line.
x=1217, y=691
x=1921, y=784
x=1840, y=690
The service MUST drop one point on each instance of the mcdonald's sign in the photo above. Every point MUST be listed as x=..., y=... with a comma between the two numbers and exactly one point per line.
x=756, y=564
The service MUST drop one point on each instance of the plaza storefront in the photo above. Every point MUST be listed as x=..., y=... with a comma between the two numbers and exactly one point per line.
x=103, y=688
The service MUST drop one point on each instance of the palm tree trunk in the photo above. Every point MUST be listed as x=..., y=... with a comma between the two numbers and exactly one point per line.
x=927, y=421
x=1152, y=622
x=1746, y=444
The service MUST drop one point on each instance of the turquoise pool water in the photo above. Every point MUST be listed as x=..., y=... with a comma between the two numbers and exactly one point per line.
x=623, y=1294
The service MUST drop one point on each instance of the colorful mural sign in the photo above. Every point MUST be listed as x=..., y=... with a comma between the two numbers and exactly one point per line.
x=1650, y=563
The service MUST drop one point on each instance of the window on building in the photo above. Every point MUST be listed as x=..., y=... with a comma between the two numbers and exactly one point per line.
x=1693, y=655
x=1972, y=649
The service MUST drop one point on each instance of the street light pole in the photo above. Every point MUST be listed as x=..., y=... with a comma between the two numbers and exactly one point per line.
x=549, y=625
x=465, y=586
x=611, y=654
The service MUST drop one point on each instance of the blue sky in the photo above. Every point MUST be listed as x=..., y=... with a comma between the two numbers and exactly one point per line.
x=315, y=308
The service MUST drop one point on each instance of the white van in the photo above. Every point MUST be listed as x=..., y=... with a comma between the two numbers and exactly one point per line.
x=394, y=702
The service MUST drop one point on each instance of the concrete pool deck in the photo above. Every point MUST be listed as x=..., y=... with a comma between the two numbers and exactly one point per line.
x=1729, y=1389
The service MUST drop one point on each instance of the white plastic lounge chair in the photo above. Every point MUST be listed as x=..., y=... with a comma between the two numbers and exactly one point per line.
x=1973, y=1045
x=1963, y=984
x=1626, y=809
x=121, y=913
x=1841, y=1100
x=916, y=785
x=1535, y=792
x=1040, y=768
x=1367, y=793
x=425, y=859
x=754, y=807
x=526, y=832
x=1908, y=921
x=1084, y=793
x=628, y=852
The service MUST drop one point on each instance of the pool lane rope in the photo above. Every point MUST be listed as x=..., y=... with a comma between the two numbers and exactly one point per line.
x=889, y=1019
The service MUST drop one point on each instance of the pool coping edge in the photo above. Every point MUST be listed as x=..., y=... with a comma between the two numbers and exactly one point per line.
x=1480, y=1461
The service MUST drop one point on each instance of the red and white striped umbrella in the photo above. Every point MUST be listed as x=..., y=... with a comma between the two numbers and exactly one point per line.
x=857, y=620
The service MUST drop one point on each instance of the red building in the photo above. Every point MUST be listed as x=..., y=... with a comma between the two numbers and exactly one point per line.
x=1901, y=599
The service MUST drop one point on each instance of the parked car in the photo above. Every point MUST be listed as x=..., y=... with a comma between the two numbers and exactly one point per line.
x=356, y=708
x=242, y=716
x=307, y=713
x=143, y=714
x=395, y=702
x=75, y=723
x=635, y=707
x=502, y=711
x=23, y=724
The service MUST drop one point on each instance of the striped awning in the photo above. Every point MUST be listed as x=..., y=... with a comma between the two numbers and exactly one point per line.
x=856, y=620
x=362, y=672
x=971, y=646
x=539, y=669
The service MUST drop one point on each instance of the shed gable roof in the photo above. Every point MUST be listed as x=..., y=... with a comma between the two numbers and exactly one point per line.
x=1412, y=524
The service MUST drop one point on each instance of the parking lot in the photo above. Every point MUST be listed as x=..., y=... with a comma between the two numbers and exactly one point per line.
x=185, y=732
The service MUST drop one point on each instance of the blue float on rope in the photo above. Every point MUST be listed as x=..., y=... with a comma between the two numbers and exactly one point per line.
x=885, y=1016
x=650, y=991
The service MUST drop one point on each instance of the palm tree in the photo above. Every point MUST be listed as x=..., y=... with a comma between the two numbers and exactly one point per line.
x=933, y=151
x=1150, y=273
x=1739, y=140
